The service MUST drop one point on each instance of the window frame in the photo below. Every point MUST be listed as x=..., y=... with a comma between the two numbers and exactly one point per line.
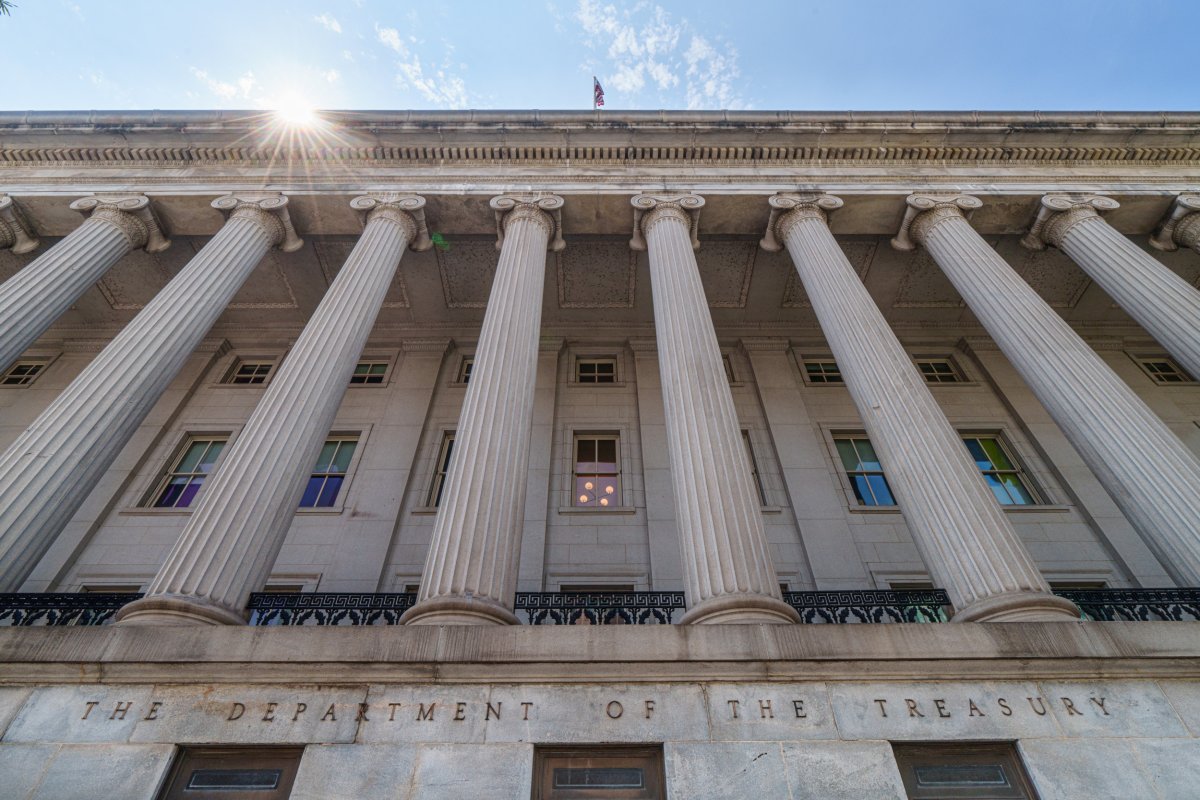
x=10, y=381
x=1144, y=361
x=847, y=481
x=956, y=374
x=1037, y=496
x=441, y=468
x=596, y=360
x=648, y=757
x=384, y=377
x=229, y=375
x=463, y=370
x=575, y=475
x=821, y=360
x=167, y=471
x=910, y=755
x=756, y=476
x=339, y=502
x=195, y=755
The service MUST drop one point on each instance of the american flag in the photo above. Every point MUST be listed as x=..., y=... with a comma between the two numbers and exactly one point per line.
x=597, y=93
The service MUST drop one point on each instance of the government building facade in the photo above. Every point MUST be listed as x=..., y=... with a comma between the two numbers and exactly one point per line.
x=558, y=455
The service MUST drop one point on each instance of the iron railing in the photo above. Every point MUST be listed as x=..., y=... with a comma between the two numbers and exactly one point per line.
x=601, y=608
x=1136, y=605
x=871, y=605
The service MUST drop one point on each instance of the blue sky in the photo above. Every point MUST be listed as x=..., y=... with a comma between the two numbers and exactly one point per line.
x=836, y=54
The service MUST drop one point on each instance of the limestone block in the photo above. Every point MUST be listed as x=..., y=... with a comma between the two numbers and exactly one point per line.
x=459, y=772
x=85, y=772
x=21, y=767
x=943, y=711
x=1174, y=766
x=353, y=772
x=842, y=771
x=1184, y=697
x=11, y=700
x=770, y=712
x=86, y=713
x=429, y=714
x=1105, y=768
x=725, y=770
x=1134, y=708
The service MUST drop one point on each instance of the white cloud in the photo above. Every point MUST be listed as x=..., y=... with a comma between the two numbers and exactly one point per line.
x=329, y=22
x=438, y=85
x=640, y=51
x=331, y=76
x=221, y=89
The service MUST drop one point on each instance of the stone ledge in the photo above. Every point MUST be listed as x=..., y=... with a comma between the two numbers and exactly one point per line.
x=718, y=652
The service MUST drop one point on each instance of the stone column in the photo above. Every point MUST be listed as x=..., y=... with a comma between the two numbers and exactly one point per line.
x=1163, y=303
x=471, y=572
x=50, y=469
x=728, y=574
x=961, y=531
x=15, y=231
x=232, y=539
x=36, y=296
x=1181, y=228
x=1139, y=461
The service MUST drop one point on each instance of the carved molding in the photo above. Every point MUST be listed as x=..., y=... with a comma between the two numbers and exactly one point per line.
x=793, y=207
x=923, y=211
x=268, y=210
x=543, y=209
x=1058, y=213
x=133, y=214
x=406, y=210
x=424, y=345
x=15, y=231
x=648, y=209
x=1181, y=226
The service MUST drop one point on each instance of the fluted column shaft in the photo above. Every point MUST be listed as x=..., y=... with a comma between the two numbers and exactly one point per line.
x=230, y=544
x=963, y=535
x=1163, y=303
x=1143, y=465
x=38, y=294
x=471, y=571
x=728, y=571
x=49, y=470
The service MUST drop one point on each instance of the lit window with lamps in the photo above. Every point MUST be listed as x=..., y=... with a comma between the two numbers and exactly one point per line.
x=597, y=471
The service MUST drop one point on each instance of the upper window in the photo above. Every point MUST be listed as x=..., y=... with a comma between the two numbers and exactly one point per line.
x=464, y=370
x=597, y=470
x=329, y=474
x=727, y=362
x=984, y=771
x=263, y=773
x=938, y=370
x=22, y=373
x=615, y=772
x=864, y=471
x=369, y=373
x=595, y=370
x=246, y=372
x=822, y=371
x=1003, y=474
x=441, y=470
x=1165, y=370
x=179, y=486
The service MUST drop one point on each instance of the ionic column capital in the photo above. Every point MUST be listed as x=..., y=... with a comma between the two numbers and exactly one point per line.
x=15, y=230
x=787, y=209
x=132, y=214
x=405, y=210
x=650, y=209
x=1181, y=225
x=924, y=211
x=1058, y=213
x=543, y=209
x=268, y=211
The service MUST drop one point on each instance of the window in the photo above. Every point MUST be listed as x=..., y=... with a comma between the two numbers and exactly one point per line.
x=247, y=372
x=864, y=471
x=1164, y=370
x=588, y=588
x=464, y=370
x=367, y=373
x=983, y=771
x=822, y=371
x=597, y=471
x=228, y=773
x=595, y=370
x=1003, y=475
x=938, y=370
x=22, y=373
x=728, y=364
x=187, y=474
x=610, y=772
x=755, y=478
x=441, y=470
x=329, y=473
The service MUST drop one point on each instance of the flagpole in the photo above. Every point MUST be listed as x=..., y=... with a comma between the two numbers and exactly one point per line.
x=594, y=82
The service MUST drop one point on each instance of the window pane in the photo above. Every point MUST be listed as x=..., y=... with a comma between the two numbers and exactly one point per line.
x=881, y=490
x=325, y=459
x=170, y=495
x=606, y=450
x=312, y=491
x=977, y=453
x=189, y=492
x=210, y=456
x=1016, y=490
x=333, y=485
x=849, y=455
x=586, y=450
x=191, y=457
x=997, y=488
x=341, y=461
x=996, y=454
x=866, y=455
x=862, y=490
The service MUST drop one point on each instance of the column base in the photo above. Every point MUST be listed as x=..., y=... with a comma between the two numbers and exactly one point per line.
x=176, y=609
x=740, y=609
x=458, y=610
x=1019, y=607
